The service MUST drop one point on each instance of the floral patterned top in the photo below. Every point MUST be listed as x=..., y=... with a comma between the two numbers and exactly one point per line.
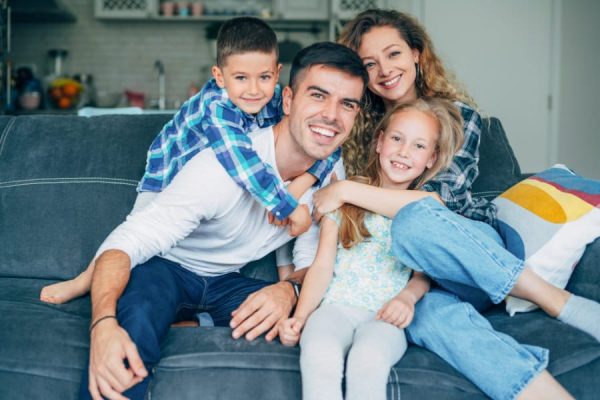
x=367, y=275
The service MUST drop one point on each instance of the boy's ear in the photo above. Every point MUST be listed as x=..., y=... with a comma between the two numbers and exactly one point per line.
x=278, y=71
x=287, y=96
x=217, y=73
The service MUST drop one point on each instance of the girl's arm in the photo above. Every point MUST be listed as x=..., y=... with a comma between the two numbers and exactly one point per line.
x=314, y=285
x=386, y=202
x=400, y=310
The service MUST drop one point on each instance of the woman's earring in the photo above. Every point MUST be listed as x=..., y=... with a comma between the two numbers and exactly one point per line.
x=418, y=78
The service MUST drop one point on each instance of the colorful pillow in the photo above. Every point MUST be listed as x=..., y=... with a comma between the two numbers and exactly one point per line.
x=548, y=219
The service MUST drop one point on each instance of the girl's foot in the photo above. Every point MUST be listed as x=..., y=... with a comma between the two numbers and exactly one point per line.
x=62, y=292
x=583, y=314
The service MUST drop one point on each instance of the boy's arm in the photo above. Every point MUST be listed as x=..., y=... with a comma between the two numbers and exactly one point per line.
x=226, y=135
x=322, y=168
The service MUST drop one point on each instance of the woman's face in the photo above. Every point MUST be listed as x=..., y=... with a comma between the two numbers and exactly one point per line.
x=391, y=65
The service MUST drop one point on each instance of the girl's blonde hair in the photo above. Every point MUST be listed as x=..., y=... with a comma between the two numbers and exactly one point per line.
x=433, y=81
x=449, y=141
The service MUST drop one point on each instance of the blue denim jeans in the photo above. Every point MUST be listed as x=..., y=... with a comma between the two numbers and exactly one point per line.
x=472, y=269
x=161, y=292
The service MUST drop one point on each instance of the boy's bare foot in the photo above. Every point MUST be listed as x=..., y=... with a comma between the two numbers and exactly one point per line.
x=61, y=292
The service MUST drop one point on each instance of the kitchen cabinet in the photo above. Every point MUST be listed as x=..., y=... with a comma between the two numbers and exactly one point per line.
x=316, y=10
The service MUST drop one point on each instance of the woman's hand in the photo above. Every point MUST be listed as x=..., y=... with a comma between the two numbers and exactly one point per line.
x=399, y=311
x=328, y=199
x=289, y=331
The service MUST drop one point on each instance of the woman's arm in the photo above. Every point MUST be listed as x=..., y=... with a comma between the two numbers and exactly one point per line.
x=386, y=202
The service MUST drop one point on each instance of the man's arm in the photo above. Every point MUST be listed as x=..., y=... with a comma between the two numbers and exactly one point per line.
x=227, y=137
x=110, y=344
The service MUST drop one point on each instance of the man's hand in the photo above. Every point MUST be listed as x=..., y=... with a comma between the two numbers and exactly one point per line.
x=262, y=311
x=300, y=220
x=399, y=311
x=328, y=199
x=289, y=331
x=108, y=377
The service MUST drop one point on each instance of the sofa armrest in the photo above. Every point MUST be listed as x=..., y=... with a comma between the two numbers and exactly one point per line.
x=585, y=280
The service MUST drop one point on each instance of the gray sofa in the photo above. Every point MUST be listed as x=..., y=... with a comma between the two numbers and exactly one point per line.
x=66, y=182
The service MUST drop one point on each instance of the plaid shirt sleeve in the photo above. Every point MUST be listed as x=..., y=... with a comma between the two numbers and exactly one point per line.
x=322, y=168
x=454, y=184
x=226, y=134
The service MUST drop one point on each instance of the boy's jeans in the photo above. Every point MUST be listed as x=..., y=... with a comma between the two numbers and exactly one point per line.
x=468, y=261
x=158, y=293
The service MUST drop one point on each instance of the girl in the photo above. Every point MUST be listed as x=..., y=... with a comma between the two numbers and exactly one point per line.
x=467, y=259
x=370, y=298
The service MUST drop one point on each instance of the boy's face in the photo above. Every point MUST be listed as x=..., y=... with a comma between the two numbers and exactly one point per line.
x=249, y=79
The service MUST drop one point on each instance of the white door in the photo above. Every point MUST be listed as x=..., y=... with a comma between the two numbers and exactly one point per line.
x=502, y=52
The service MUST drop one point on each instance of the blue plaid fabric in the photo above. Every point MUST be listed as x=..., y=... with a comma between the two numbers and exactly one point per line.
x=454, y=184
x=210, y=119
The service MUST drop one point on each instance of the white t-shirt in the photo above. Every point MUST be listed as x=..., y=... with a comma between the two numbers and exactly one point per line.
x=208, y=224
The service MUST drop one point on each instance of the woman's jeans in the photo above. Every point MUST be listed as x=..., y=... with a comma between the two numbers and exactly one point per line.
x=468, y=261
x=161, y=292
x=372, y=346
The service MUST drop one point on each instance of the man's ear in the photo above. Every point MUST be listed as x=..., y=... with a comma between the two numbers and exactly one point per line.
x=287, y=96
x=217, y=73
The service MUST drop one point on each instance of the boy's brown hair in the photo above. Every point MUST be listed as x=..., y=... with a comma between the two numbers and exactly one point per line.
x=245, y=34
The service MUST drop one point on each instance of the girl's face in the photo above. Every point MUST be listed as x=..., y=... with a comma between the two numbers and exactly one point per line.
x=391, y=65
x=407, y=147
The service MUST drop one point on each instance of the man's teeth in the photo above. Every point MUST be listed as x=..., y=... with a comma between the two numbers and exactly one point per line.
x=391, y=81
x=323, y=131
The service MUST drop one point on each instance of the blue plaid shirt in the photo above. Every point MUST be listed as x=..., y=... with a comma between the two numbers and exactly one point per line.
x=210, y=119
x=454, y=184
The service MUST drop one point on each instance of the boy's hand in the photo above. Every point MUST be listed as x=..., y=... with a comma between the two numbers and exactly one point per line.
x=274, y=221
x=289, y=331
x=399, y=311
x=300, y=220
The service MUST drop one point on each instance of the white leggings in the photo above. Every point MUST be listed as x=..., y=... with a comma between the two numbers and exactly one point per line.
x=373, y=347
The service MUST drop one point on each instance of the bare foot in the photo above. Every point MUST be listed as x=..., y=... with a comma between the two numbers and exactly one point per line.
x=62, y=292
x=185, y=324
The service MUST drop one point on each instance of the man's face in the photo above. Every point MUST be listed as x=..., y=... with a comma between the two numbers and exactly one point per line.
x=322, y=110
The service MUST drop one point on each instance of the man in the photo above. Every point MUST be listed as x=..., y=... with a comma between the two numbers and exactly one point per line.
x=205, y=232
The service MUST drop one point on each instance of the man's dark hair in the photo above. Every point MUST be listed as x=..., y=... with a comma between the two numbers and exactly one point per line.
x=329, y=54
x=244, y=34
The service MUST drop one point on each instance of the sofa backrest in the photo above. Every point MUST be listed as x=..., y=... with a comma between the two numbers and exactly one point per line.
x=498, y=167
x=65, y=183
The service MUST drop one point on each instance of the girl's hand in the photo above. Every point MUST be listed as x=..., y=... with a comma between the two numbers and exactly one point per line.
x=328, y=199
x=289, y=331
x=399, y=311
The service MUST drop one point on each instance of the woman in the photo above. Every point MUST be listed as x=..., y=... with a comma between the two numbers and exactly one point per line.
x=402, y=66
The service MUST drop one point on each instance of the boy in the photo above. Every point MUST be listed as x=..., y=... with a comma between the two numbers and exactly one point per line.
x=242, y=96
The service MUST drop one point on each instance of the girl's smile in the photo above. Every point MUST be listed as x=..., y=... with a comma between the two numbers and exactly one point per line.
x=407, y=147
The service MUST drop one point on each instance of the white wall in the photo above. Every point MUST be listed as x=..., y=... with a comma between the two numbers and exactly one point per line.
x=579, y=116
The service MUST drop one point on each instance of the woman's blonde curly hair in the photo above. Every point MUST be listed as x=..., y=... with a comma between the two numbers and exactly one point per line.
x=435, y=81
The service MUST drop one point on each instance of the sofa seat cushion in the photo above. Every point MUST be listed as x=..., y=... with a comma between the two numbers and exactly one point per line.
x=43, y=347
x=206, y=361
